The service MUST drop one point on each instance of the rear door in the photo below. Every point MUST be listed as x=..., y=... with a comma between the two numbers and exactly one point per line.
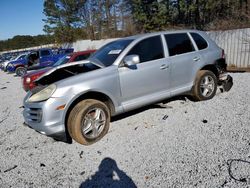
x=184, y=60
x=45, y=56
x=149, y=78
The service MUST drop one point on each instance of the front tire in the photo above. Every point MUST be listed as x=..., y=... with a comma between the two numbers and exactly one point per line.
x=88, y=121
x=21, y=71
x=205, y=85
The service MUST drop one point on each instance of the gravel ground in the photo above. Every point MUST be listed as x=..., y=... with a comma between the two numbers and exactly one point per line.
x=184, y=144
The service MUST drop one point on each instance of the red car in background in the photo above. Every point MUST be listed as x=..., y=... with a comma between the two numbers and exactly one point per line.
x=29, y=78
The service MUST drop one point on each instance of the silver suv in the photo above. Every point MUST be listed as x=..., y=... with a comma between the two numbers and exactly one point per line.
x=77, y=100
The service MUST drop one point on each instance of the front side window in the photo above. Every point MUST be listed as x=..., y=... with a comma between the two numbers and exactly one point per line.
x=178, y=43
x=200, y=41
x=21, y=57
x=148, y=49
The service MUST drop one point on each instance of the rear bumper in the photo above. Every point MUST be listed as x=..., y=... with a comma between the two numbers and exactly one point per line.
x=226, y=82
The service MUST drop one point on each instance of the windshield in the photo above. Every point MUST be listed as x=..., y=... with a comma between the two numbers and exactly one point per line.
x=107, y=55
x=21, y=57
x=13, y=58
x=62, y=60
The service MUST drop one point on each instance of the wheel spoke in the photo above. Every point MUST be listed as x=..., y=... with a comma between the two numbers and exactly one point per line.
x=93, y=123
x=206, y=80
x=88, y=127
x=94, y=131
x=87, y=117
x=99, y=124
x=210, y=90
x=205, y=92
x=97, y=114
x=203, y=85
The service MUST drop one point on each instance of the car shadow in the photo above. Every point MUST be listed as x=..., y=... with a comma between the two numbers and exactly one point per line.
x=152, y=106
x=109, y=175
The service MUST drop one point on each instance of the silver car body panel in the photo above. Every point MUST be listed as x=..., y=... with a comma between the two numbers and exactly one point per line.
x=128, y=88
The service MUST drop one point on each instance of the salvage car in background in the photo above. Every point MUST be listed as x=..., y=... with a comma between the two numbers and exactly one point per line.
x=29, y=78
x=18, y=58
x=36, y=59
x=124, y=75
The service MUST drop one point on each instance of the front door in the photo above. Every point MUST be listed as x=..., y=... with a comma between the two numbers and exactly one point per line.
x=148, y=80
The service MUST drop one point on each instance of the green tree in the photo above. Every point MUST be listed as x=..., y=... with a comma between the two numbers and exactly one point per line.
x=62, y=18
x=25, y=41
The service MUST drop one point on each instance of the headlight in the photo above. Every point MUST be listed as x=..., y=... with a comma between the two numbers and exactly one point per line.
x=44, y=94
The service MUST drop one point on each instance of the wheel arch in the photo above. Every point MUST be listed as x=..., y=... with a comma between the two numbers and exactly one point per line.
x=19, y=65
x=89, y=95
x=212, y=68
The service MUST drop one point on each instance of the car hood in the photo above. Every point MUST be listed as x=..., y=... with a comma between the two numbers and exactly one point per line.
x=64, y=71
x=17, y=61
x=40, y=71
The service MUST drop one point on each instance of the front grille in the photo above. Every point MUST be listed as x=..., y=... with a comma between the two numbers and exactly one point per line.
x=34, y=114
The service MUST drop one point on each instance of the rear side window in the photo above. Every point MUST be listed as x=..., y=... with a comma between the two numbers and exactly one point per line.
x=178, y=43
x=148, y=49
x=200, y=41
x=82, y=57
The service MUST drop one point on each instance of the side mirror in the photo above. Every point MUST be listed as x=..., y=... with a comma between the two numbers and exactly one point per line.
x=131, y=60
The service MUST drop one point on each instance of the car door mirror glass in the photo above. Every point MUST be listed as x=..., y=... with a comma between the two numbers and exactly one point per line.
x=131, y=60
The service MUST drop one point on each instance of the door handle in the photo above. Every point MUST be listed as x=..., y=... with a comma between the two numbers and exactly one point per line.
x=164, y=66
x=196, y=59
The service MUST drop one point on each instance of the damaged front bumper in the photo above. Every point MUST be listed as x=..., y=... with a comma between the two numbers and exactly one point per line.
x=45, y=119
x=225, y=82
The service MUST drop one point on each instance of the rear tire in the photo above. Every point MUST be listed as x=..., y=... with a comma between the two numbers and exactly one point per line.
x=88, y=121
x=205, y=86
x=21, y=71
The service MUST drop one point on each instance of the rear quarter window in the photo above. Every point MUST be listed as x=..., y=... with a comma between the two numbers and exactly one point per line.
x=200, y=41
x=179, y=43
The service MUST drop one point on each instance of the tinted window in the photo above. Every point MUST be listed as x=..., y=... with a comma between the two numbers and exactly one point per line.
x=109, y=53
x=148, y=49
x=81, y=57
x=69, y=51
x=62, y=60
x=21, y=57
x=178, y=44
x=45, y=53
x=200, y=42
